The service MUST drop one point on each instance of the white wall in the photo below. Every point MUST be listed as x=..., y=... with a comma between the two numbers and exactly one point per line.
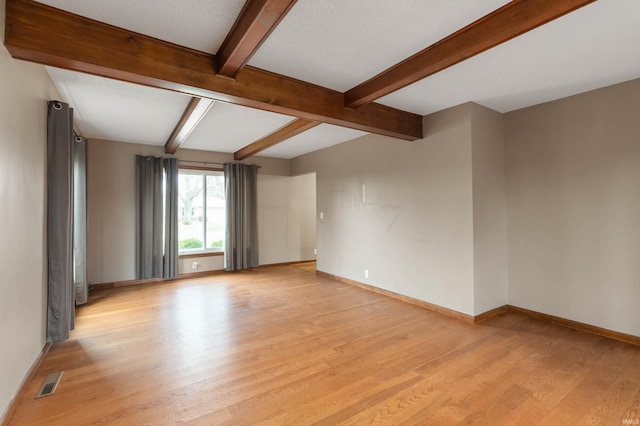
x=24, y=90
x=414, y=229
x=286, y=218
x=573, y=176
x=111, y=210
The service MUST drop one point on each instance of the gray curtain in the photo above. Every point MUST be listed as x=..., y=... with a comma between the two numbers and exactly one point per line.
x=157, y=232
x=60, y=292
x=241, y=244
x=80, y=219
x=149, y=242
x=170, y=269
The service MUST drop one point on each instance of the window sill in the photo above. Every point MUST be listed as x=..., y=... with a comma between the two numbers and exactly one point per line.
x=205, y=254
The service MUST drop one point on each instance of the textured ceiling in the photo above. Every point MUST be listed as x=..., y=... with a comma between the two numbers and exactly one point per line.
x=595, y=46
x=113, y=110
x=319, y=137
x=198, y=24
x=339, y=44
x=227, y=128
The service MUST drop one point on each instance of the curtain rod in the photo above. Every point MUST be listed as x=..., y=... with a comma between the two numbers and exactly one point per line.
x=200, y=162
x=210, y=162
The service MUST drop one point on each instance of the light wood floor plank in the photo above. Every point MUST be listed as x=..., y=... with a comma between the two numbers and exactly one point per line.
x=279, y=346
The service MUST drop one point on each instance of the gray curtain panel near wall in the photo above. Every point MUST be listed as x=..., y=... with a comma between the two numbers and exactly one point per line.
x=80, y=219
x=61, y=202
x=157, y=235
x=149, y=221
x=241, y=189
x=170, y=269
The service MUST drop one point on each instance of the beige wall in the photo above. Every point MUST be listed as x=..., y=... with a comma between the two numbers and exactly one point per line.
x=537, y=208
x=111, y=210
x=431, y=225
x=286, y=218
x=573, y=173
x=413, y=231
x=302, y=204
x=489, y=210
x=24, y=90
x=442, y=221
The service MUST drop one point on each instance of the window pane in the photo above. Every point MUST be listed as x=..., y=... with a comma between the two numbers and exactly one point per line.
x=215, y=212
x=190, y=212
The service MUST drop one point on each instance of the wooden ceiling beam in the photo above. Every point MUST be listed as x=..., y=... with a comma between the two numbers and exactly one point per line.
x=40, y=33
x=256, y=21
x=285, y=132
x=193, y=114
x=511, y=20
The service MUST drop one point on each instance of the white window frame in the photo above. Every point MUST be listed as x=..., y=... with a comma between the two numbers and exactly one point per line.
x=204, y=172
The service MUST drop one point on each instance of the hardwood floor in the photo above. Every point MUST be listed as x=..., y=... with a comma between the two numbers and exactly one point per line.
x=282, y=346
x=306, y=266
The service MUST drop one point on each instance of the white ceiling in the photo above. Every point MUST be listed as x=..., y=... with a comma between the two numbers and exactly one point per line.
x=595, y=46
x=113, y=110
x=198, y=24
x=321, y=136
x=339, y=44
x=227, y=127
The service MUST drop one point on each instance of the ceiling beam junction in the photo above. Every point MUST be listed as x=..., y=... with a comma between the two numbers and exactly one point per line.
x=285, y=132
x=256, y=21
x=192, y=115
x=511, y=20
x=50, y=36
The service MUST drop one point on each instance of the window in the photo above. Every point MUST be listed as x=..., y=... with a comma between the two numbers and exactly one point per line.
x=201, y=211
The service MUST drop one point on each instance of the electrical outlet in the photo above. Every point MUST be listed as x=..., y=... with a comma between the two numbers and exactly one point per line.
x=315, y=251
x=366, y=273
x=321, y=215
x=194, y=265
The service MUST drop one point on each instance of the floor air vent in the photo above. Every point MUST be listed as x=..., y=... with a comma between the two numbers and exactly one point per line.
x=50, y=384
